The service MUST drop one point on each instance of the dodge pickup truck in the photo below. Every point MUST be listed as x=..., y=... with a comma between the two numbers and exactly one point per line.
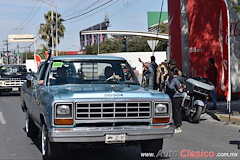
x=12, y=76
x=86, y=100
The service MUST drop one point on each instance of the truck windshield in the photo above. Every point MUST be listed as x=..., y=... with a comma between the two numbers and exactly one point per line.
x=91, y=72
x=12, y=69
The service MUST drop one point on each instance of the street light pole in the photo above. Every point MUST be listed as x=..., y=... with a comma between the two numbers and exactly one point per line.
x=7, y=51
x=52, y=27
x=56, y=32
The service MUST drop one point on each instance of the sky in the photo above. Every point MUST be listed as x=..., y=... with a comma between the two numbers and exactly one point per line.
x=25, y=16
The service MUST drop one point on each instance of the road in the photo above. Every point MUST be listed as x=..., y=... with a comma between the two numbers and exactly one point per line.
x=209, y=137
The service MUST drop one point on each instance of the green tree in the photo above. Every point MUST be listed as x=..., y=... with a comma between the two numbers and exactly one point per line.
x=41, y=52
x=236, y=6
x=134, y=44
x=45, y=30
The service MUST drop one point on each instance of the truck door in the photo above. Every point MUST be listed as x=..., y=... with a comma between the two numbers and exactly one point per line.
x=37, y=91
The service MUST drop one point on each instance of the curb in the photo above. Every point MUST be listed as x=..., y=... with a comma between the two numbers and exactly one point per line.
x=225, y=118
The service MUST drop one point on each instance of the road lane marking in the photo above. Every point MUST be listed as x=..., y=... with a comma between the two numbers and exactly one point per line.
x=2, y=120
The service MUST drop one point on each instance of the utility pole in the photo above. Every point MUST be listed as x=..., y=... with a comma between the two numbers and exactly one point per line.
x=7, y=49
x=56, y=32
x=18, y=55
x=52, y=21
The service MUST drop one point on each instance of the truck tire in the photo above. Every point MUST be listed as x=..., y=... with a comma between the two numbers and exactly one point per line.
x=31, y=129
x=151, y=146
x=46, y=146
x=196, y=116
x=50, y=150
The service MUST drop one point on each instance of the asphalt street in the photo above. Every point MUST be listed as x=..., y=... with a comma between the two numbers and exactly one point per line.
x=209, y=139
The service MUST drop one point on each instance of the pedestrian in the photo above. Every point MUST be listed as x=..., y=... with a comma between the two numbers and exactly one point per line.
x=154, y=68
x=212, y=77
x=148, y=75
x=171, y=67
x=135, y=71
x=175, y=94
x=162, y=77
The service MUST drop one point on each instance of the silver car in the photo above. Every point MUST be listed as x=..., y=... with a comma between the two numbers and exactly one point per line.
x=87, y=100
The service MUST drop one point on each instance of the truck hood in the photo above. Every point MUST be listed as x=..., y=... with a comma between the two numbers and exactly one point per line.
x=104, y=91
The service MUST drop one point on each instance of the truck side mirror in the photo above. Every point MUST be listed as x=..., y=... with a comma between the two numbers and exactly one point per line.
x=29, y=80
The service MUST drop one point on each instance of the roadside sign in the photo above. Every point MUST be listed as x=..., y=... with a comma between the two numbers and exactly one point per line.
x=152, y=44
x=20, y=38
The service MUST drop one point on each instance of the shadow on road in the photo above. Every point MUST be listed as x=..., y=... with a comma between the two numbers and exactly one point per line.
x=236, y=143
x=9, y=94
x=36, y=141
x=212, y=114
x=107, y=153
x=185, y=118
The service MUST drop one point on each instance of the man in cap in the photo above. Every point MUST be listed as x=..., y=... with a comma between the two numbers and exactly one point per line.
x=172, y=65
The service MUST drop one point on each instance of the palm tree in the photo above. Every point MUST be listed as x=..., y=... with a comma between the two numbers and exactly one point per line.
x=41, y=52
x=45, y=31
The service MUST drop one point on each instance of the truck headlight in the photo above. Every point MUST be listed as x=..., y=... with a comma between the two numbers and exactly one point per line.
x=161, y=113
x=160, y=108
x=63, y=114
x=2, y=83
x=63, y=110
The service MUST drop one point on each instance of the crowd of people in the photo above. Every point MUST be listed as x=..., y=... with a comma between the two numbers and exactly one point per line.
x=166, y=77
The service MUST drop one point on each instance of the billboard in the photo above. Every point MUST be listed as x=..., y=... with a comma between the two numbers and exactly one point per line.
x=21, y=38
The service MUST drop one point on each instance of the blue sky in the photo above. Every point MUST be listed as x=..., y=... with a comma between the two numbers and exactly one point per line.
x=24, y=17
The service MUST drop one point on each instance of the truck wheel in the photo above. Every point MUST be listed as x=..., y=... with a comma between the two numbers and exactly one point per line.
x=49, y=149
x=31, y=129
x=196, y=116
x=152, y=146
x=46, y=146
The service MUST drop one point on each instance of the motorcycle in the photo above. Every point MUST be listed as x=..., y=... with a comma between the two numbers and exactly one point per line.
x=194, y=101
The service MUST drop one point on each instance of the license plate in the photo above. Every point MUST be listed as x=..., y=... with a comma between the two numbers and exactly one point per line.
x=115, y=138
x=14, y=89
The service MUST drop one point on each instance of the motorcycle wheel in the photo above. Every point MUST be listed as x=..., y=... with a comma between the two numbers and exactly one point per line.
x=196, y=116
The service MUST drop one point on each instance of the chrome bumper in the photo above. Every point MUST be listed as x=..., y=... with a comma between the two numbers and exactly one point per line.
x=98, y=134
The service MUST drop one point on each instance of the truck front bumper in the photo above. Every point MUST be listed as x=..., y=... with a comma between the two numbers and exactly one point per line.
x=10, y=88
x=99, y=134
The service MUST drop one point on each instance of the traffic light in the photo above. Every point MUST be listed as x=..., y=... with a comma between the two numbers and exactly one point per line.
x=124, y=41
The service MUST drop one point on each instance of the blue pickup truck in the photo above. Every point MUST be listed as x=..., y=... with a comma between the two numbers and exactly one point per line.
x=93, y=100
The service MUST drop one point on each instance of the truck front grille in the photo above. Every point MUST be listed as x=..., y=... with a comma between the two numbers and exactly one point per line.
x=14, y=82
x=113, y=110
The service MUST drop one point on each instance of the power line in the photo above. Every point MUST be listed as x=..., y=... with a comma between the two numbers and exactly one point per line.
x=95, y=12
x=74, y=7
x=33, y=15
x=37, y=19
x=126, y=8
x=88, y=11
x=28, y=15
x=84, y=9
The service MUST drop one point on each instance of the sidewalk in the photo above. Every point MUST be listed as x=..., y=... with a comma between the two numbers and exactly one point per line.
x=222, y=113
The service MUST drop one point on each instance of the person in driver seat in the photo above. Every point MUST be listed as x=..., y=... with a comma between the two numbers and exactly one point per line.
x=61, y=78
x=110, y=75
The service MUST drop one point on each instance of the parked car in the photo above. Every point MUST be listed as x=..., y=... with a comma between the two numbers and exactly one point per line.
x=88, y=100
x=12, y=76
